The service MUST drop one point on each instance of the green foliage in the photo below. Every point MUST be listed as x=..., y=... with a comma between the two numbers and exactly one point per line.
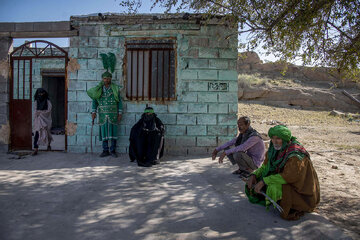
x=318, y=32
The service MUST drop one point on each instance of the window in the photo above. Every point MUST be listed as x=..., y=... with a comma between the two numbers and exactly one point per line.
x=150, y=70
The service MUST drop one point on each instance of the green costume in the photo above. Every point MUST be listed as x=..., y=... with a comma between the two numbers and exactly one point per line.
x=107, y=102
x=270, y=170
x=109, y=105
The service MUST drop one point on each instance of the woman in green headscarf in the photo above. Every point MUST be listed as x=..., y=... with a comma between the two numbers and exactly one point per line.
x=287, y=175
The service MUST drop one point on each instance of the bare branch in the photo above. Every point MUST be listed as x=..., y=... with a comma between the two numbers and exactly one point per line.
x=235, y=13
x=340, y=31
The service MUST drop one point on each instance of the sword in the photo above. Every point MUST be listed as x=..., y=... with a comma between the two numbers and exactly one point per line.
x=278, y=207
x=91, y=136
x=273, y=202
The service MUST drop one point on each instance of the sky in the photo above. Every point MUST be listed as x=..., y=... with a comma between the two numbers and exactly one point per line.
x=61, y=10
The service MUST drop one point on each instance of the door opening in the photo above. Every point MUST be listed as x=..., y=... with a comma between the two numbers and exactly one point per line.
x=54, y=83
x=26, y=64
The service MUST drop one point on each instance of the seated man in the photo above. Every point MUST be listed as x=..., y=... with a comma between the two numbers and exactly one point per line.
x=249, y=148
x=147, y=139
x=287, y=175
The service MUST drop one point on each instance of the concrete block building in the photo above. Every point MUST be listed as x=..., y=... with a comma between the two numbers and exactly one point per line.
x=180, y=64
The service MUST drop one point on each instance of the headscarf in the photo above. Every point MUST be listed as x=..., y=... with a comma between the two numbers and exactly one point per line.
x=41, y=96
x=280, y=131
x=290, y=147
x=149, y=119
x=149, y=110
x=95, y=92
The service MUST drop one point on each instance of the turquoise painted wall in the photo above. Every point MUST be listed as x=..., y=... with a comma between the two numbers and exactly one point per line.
x=205, y=112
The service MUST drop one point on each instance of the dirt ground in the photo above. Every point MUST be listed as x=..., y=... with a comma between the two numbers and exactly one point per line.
x=61, y=196
x=334, y=145
x=77, y=196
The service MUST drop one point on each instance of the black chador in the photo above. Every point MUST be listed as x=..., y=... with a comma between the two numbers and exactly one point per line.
x=147, y=139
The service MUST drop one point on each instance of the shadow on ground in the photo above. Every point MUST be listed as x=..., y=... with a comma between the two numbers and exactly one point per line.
x=74, y=196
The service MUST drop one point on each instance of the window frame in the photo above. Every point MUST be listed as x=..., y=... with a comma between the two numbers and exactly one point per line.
x=141, y=98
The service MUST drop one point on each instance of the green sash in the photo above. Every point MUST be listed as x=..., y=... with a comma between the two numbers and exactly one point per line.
x=95, y=92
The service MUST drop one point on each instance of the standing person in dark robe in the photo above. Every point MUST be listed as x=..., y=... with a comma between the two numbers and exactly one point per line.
x=287, y=175
x=249, y=150
x=42, y=120
x=147, y=139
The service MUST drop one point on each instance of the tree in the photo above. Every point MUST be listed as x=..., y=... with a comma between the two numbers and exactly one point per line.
x=319, y=32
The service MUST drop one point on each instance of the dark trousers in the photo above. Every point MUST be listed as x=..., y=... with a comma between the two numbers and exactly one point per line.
x=36, y=139
x=105, y=145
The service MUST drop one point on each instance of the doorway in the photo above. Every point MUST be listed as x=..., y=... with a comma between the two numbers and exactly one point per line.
x=26, y=77
x=53, y=81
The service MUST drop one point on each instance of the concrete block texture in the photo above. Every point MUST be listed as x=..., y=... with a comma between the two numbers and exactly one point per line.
x=89, y=30
x=196, y=130
x=186, y=119
x=186, y=141
x=196, y=120
x=207, y=119
x=217, y=130
x=206, y=141
x=197, y=108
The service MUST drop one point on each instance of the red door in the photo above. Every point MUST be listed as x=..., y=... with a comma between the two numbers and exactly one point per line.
x=20, y=104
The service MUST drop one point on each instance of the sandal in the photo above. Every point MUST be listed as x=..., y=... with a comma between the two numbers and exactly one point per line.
x=35, y=152
x=237, y=171
x=244, y=174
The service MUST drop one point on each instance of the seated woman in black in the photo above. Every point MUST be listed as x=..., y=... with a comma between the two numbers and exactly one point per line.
x=147, y=139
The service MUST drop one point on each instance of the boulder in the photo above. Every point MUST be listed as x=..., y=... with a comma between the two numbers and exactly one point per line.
x=337, y=113
x=308, y=98
x=249, y=57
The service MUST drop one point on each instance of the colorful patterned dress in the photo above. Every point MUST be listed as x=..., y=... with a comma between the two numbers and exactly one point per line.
x=108, y=109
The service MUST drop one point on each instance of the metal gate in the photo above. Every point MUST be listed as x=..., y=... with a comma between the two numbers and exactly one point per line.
x=21, y=91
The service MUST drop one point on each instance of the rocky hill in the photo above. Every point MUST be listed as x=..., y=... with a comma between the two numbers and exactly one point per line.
x=302, y=87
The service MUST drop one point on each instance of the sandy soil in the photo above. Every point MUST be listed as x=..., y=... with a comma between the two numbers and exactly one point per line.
x=334, y=145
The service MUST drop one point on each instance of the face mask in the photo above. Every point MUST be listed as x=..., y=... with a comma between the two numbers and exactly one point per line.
x=41, y=95
x=148, y=117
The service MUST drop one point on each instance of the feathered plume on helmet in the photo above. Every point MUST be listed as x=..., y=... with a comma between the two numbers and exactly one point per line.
x=109, y=61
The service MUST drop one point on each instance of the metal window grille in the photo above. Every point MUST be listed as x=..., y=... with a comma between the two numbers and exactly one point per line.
x=151, y=70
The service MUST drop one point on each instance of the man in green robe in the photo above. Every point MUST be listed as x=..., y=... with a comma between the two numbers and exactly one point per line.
x=287, y=176
x=107, y=102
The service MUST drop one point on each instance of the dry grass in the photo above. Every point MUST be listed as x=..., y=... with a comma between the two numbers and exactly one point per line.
x=257, y=80
x=251, y=80
x=347, y=147
x=291, y=116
